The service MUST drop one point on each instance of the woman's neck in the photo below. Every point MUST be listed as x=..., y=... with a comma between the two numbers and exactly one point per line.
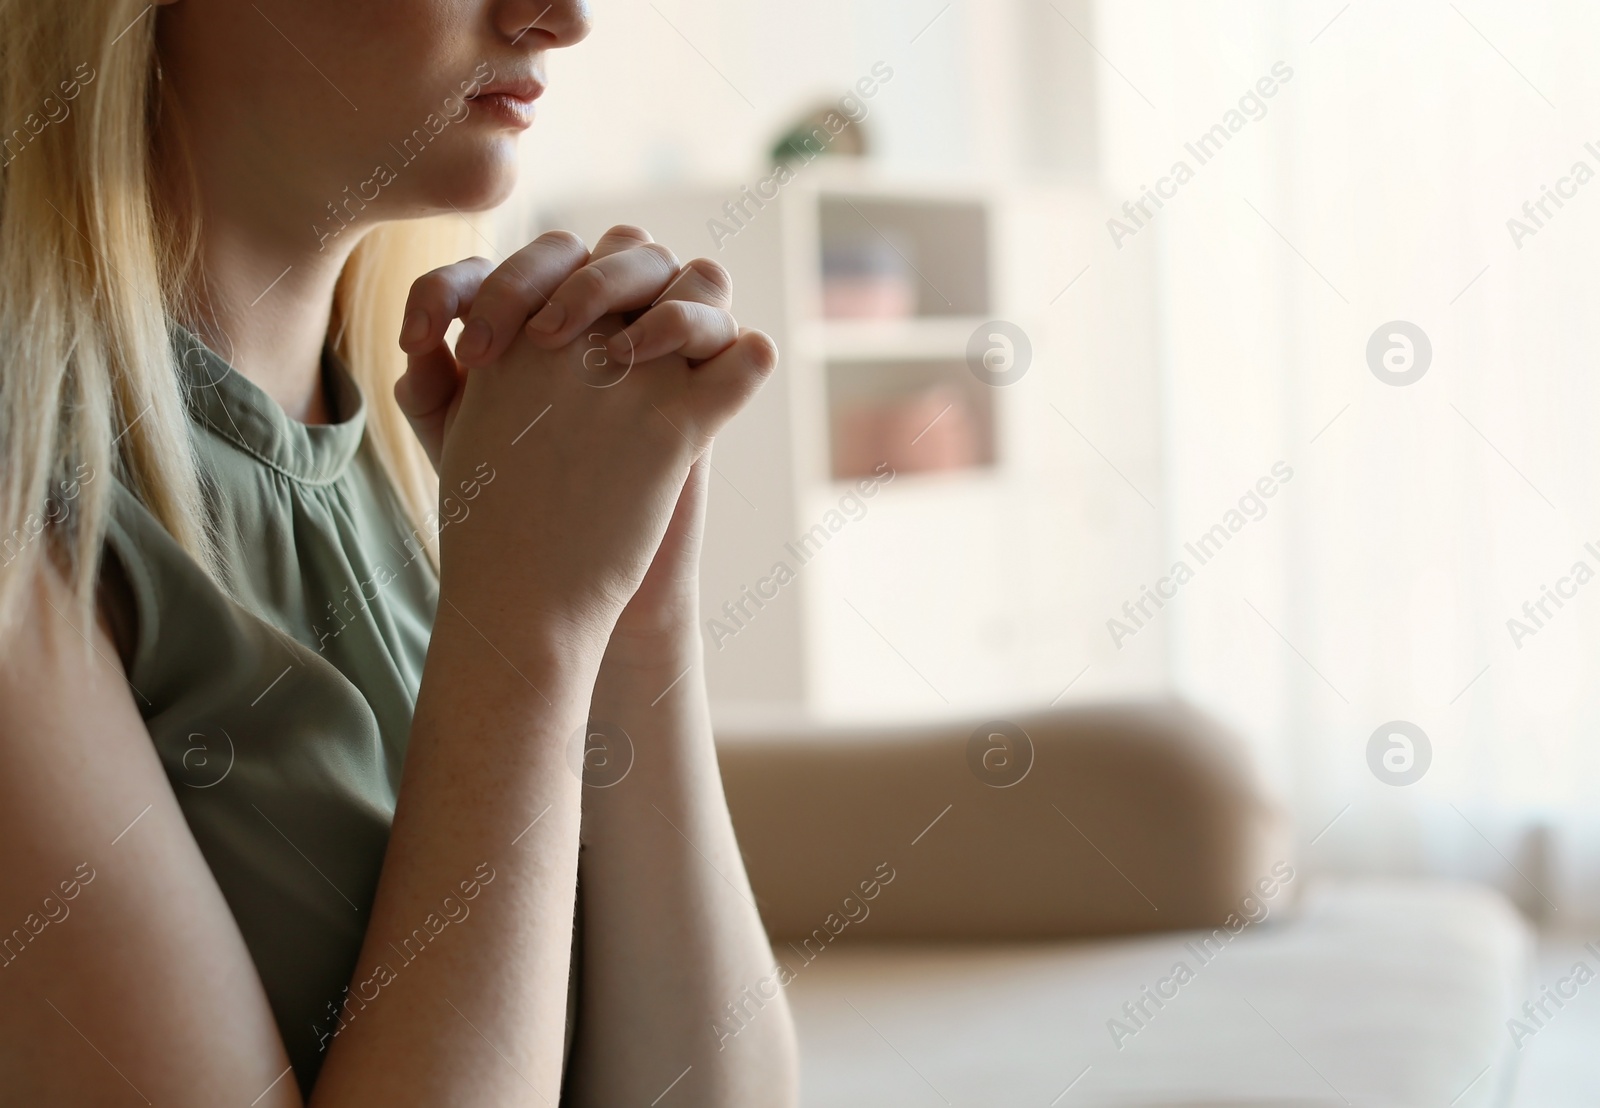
x=266, y=306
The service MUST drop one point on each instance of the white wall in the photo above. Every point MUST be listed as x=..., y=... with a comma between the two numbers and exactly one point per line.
x=677, y=92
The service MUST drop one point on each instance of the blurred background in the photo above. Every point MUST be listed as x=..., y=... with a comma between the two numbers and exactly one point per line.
x=1174, y=364
x=1368, y=289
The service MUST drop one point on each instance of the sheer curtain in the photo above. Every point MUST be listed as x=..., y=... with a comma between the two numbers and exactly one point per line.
x=1372, y=192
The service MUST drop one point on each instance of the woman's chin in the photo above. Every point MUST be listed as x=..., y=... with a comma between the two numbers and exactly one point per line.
x=476, y=184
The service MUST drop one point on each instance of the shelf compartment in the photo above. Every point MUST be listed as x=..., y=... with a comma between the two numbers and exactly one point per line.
x=892, y=258
x=916, y=416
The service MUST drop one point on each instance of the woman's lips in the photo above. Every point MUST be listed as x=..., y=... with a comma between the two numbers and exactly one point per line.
x=513, y=111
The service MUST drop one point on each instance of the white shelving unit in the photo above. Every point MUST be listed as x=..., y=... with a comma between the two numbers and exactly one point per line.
x=953, y=589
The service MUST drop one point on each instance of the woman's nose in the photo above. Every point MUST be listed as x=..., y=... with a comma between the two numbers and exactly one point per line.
x=550, y=23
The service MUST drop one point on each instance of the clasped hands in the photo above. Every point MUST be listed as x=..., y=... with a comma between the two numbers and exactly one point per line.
x=607, y=503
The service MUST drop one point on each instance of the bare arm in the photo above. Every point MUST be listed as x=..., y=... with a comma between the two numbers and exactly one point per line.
x=146, y=989
x=591, y=480
x=679, y=988
x=479, y=1020
x=123, y=978
x=128, y=977
x=679, y=981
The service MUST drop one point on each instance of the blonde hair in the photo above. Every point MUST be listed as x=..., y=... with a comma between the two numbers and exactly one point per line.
x=90, y=270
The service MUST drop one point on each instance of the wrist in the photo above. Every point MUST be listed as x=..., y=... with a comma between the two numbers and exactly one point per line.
x=661, y=642
x=522, y=633
x=641, y=668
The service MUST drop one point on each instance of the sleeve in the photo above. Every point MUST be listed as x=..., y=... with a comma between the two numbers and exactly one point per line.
x=125, y=591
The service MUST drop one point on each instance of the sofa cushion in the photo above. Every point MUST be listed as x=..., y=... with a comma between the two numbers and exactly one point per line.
x=1383, y=994
x=1120, y=818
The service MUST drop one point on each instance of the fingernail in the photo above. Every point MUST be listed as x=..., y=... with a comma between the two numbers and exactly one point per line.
x=415, y=328
x=619, y=344
x=549, y=320
x=475, y=339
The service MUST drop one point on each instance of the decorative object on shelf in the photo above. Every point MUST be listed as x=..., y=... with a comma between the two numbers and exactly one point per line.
x=811, y=136
x=931, y=429
x=867, y=278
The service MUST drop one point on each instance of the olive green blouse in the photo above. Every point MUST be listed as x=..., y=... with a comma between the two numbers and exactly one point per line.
x=280, y=701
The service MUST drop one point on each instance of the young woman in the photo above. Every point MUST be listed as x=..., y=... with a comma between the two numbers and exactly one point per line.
x=287, y=813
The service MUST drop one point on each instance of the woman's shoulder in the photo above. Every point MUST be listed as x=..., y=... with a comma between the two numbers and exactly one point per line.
x=169, y=617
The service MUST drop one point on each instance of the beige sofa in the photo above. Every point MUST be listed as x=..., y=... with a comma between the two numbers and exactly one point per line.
x=1126, y=924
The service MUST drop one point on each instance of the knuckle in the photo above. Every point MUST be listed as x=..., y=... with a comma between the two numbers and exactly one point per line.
x=441, y=283
x=561, y=249
x=628, y=232
x=712, y=273
x=562, y=239
x=431, y=285
x=520, y=281
x=663, y=253
x=496, y=289
x=676, y=317
x=589, y=285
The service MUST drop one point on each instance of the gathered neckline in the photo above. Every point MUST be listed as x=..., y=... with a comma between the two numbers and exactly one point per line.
x=237, y=409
